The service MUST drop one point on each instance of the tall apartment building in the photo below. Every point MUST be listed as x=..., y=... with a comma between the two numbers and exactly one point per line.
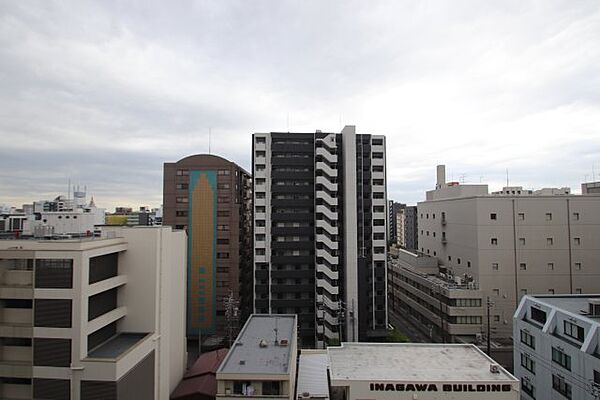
x=556, y=347
x=513, y=242
x=211, y=198
x=407, y=228
x=393, y=211
x=94, y=318
x=320, y=232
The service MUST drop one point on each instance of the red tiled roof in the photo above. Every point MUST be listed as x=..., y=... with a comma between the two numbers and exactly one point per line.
x=200, y=381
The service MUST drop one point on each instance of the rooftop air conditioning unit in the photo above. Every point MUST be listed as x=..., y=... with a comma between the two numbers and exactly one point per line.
x=594, y=307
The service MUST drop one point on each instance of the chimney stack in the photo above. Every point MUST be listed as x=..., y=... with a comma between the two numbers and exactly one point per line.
x=441, y=176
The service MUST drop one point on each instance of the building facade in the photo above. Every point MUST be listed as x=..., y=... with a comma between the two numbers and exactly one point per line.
x=556, y=347
x=211, y=198
x=448, y=308
x=407, y=228
x=590, y=188
x=421, y=371
x=320, y=221
x=514, y=242
x=93, y=318
x=394, y=209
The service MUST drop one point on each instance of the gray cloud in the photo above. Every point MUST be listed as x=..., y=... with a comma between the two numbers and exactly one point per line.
x=105, y=92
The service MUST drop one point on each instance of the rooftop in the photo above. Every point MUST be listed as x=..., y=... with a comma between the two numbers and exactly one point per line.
x=576, y=304
x=412, y=362
x=258, y=348
x=312, y=374
x=117, y=345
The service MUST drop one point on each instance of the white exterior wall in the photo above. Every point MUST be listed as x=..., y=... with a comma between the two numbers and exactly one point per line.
x=469, y=230
x=551, y=334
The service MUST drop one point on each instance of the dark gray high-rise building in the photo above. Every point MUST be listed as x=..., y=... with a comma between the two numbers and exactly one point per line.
x=320, y=217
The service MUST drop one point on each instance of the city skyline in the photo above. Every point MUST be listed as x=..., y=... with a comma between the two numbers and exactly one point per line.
x=104, y=94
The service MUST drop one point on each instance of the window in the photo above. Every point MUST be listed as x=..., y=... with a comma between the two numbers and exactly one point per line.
x=458, y=260
x=222, y=255
x=576, y=216
x=551, y=291
x=578, y=291
x=495, y=266
x=261, y=209
x=578, y=266
x=223, y=186
x=377, y=142
x=261, y=139
x=271, y=388
x=182, y=172
x=548, y=216
x=223, y=227
x=493, y=216
x=469, y=264
x=377, y=154
x=181, y=213
x=181, y=186
x=574, y=331
x=527, y=363
x=522, y=241
x=538, y=315
x=528, y=339
x=549, y=241
x=596, y=377
x=561, y=386
x=260, y=237
x=222, y=241
x=551, y=266
x=260, y=181
x=527, y=387
x=378, y=222
x=260, y=222
x=496, y=318
x=523, y=292
x=223, y=172
x=260, y=195
x=378, y=195
x=259, y=252
x=521, y=216
x=577, y=241
x=494, y=241
x=181, y=200
x=496, y=292
x=223, y=213
x=259, y=167
x=561, y=358
x=261, y=153
x=523, y=266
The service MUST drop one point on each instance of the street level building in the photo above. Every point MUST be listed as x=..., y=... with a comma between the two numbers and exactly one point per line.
x=556, y=347
x=94, y=317
x=262, y=361
x=417, y=371
x=513, y=242
x=211, y=198
x=448, y=308
x=320, y=247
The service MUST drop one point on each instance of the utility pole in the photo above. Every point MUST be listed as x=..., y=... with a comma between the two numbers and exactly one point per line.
x=231, y=315
x=489, y=330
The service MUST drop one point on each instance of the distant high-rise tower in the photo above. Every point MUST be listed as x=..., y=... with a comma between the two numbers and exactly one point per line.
x=320, y=232
x=211, y=198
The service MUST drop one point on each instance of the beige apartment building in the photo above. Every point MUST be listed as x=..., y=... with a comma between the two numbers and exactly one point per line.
x=93, y=318
x=513, y=242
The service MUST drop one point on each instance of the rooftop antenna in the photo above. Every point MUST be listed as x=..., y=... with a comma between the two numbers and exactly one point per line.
x=507, y=184
x=287, y=121
x=69, y=190
x=209, y=135
x=276, y=329
x=593, y=173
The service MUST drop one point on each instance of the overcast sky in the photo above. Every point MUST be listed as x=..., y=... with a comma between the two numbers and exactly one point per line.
x=105, y=92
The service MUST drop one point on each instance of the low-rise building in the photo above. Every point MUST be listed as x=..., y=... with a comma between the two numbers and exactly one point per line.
x=89, y=318
x=448, y=308
x=557, y=342
x=262, y=360
x=417, y=371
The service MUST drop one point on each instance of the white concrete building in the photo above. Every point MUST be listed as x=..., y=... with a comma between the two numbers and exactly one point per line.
x=262, y=361
x=95, y=318
x=381, y=371
x=556, y=347
x=514, y=242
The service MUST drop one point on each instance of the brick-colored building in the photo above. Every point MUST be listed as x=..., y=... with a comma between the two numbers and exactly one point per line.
x=211, y=198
